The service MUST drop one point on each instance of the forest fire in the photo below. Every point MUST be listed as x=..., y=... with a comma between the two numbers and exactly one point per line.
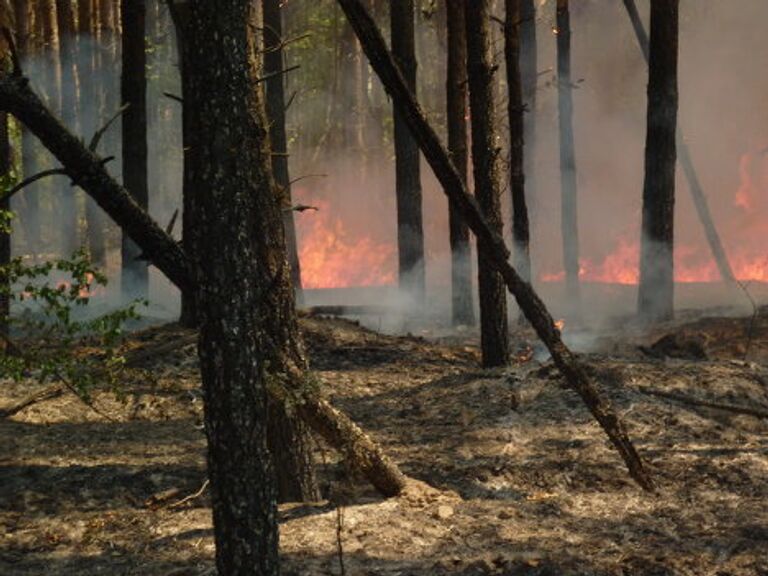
x=332, y=256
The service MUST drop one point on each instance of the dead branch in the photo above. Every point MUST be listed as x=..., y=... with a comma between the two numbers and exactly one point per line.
x=15, y=61
x=290, y=101
x=752, y=321
x=139, y=357
x=532, y=306
x=101, y=131
x=174, y=97
x=191, y=496
x=305, y=176
x=53, y=391
x=301, y=208
x=276, y=73
x=31, y=180
x=756, y=412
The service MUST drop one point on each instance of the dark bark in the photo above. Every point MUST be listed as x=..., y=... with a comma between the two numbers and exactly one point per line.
x=486, y=161
x=656, y=291
x=410, y=228
x=521, y=234
x=235, y=263
x=275, y=100
x=568, y=186
x=462, y=305
x=67, y=217
x=133, y=92
x=691, y=175
x=453, y=186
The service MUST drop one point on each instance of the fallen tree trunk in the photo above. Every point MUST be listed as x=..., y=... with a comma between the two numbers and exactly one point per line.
x=86, y=169
x=532, y=306
x=686, y=162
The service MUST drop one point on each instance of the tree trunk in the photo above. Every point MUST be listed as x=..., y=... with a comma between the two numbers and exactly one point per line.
x=486, y=160
x=275, y=100
x=521, y=234
x=568, y=186
x=656, y=291
x=68, y=220
x=686, y=162
x=462, y=305
x=133, y=92
x=532, y=306
x=410, y=228
x=235, y=263
x=529, y=74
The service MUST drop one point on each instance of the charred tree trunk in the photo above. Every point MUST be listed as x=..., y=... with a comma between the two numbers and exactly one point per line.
x=494, y=335
x=456, y=89
x=133, y=92
x=521, y=234
x=410, y=230
x=275, y=88
x=657, y=286
x=686, y=162
x=568, y=186
x=532, y=306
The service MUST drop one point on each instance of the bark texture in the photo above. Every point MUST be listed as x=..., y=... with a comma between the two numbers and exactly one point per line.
x=133, y=92
x=568, y=185
x=486, y=161
x=521, y=233
x=410, y=228
x=656, y=290
x=6, y=166
x=532, y=306
x=462, y=305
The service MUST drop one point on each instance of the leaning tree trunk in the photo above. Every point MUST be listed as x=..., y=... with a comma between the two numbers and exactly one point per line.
x=568, y=187
x=521, y=234
x=656, y=291
x=410, y=229
x=133, y=92
x=486, y=160
x=454, y=187
x=275, y=88
x=462, y=305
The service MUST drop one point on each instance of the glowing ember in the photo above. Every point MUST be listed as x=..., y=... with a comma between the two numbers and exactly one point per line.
x=560, y=324
x=333, y=257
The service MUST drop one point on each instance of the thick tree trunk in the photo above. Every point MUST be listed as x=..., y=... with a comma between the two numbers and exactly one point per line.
x=486, y=160
x=67, y=217
x=275, y=88
x=568, y=186
x=462, y=305
x=133, y=92
x=532, y=306
x=410, y=228
x=521, y=234
x=656, y=291
x=686, y=162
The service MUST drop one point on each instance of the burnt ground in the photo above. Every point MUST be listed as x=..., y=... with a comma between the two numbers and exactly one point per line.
x=523, y=481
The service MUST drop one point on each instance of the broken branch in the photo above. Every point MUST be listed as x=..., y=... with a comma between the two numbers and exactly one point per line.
x=101, y=131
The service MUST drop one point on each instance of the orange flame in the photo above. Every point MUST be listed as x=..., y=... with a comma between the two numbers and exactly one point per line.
x=333, y=257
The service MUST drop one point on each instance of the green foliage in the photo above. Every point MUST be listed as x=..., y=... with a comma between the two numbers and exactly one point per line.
x=61, y=342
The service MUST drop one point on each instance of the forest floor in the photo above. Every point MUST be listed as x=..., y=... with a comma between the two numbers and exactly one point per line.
x=524, y=482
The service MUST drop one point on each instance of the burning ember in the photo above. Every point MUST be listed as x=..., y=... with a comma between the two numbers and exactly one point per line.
x=331, y=256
